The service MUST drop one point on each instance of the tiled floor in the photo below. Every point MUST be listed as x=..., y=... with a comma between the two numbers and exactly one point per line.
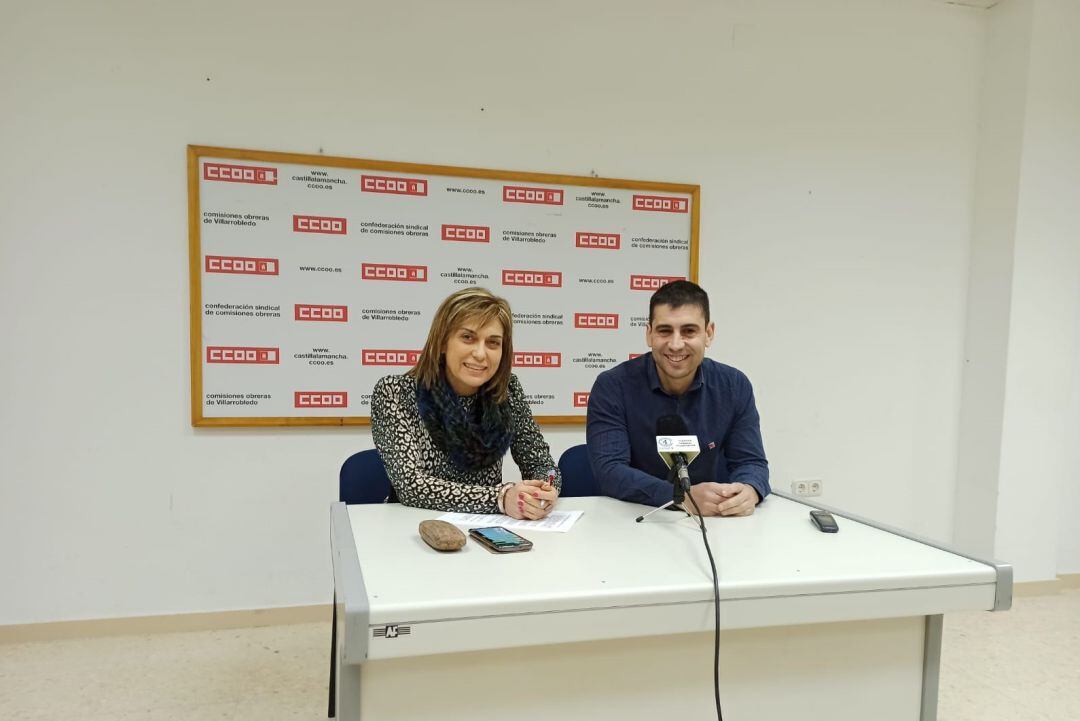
x=269, y=674
x=1021, y=665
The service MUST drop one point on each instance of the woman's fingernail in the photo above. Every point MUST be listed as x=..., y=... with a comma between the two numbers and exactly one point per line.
x=536, y=495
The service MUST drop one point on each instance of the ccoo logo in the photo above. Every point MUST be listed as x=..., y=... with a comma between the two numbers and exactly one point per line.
x=394, y=186
x=333, y=313
x=652, y=282
x=318, y=224
x=246, y=266
x=661, y=203
x=540, y=278
x=393, y=271
x=581, y=399
x=387, y=357
x=242, y=354
x=240, y=173
x=320, y=399
x=606, y=241
x=606, y=321
x=537, y=360
x=522, y=194
x=467, y=233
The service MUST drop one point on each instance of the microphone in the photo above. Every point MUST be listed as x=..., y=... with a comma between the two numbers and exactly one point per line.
x=677, y=447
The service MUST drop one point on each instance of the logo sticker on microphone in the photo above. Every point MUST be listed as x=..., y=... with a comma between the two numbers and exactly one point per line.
x=678, y=444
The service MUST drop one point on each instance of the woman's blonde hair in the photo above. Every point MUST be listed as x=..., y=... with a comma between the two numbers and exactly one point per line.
x=479, y=306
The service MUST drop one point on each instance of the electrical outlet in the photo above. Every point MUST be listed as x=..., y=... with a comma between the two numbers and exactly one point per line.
x=807, y=487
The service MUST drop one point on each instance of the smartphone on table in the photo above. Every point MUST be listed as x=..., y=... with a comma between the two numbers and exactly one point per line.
x=500, y=540
x=824, y=521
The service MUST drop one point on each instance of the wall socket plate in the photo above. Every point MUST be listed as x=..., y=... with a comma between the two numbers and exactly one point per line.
x=807, y=487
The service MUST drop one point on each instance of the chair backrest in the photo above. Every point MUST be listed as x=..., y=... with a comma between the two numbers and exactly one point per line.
x=363, y=479
x=577, y=475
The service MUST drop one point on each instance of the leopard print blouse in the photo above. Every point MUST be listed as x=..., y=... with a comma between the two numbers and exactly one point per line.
x=423, y=476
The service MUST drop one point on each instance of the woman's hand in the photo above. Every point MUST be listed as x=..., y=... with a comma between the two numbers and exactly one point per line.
x=530, y=499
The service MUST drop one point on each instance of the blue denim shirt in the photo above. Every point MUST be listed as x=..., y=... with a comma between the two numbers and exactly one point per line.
x=718, y=408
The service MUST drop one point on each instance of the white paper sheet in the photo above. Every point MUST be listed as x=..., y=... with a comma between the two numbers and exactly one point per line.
x=556, y=521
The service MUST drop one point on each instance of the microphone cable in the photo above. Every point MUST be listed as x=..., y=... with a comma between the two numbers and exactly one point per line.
x=716, y=609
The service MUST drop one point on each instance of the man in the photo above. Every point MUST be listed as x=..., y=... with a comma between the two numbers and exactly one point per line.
x=731, y=476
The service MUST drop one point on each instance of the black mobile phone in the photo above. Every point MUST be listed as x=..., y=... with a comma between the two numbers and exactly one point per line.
x=500, y=540
x=824, y=521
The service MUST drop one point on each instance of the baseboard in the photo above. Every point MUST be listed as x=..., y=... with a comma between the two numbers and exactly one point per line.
x=1047, y=588
x=138, y=625
x=1070, y=580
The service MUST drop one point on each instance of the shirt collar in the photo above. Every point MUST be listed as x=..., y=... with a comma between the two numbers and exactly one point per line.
x=654, y=376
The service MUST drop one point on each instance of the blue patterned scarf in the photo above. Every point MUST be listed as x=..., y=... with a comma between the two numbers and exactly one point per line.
x=473, y=434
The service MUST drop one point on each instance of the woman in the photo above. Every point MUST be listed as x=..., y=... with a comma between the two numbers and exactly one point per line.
x=442, y=428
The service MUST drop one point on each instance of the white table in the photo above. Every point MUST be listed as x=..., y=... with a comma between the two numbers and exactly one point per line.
x=614, y=619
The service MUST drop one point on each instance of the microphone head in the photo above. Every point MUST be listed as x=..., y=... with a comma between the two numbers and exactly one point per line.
x=672, y=425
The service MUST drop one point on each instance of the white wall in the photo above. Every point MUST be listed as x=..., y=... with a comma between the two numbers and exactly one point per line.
x=993, y=241
x=835, y=143
x=1069, y=508
x=1018, y=468
x=1040, y=430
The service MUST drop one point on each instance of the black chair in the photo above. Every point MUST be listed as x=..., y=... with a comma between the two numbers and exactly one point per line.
x=577, y=475
x=362, y=479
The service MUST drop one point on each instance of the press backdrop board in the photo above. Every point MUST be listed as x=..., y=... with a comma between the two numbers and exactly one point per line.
x=312, y=277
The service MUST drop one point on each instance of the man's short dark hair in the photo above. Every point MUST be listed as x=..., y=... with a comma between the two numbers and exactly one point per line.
x=678, y=293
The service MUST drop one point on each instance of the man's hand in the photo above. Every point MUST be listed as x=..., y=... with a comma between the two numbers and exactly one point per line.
x=707, y=498
x=722, y=499
x=740, y=499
